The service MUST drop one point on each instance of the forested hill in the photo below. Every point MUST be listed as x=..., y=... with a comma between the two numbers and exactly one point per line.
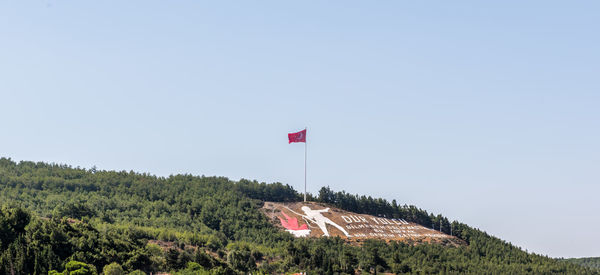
x=57, y=218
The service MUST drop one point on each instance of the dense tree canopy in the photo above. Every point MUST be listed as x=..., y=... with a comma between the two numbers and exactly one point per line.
x=57, y=218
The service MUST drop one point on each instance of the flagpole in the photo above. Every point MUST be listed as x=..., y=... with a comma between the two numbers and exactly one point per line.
x=305, y=142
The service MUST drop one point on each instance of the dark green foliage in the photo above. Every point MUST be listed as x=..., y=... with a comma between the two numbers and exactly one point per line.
x=113, y=269
x=241, y=260
x=76, y=268
x=267, y=192
x=381, y=207
x=54, y=215
x=75, y=210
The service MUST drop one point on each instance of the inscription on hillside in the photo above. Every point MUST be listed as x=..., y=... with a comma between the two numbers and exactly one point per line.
x=317, y=220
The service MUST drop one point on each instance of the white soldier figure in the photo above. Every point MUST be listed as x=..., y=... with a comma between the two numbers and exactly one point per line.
x=318, y=218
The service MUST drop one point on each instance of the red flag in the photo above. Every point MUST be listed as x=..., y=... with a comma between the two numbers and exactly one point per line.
x=297, y=137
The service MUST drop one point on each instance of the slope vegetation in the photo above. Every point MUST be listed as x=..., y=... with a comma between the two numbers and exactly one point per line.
x=57, y=217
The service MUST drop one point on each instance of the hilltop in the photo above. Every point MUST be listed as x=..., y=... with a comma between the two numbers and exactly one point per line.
x=57, y=217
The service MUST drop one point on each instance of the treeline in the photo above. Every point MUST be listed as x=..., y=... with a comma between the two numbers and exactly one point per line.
x=381, y=207
x=62, y=219
x=356, y=203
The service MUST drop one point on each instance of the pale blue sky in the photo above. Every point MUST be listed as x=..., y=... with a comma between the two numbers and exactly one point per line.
x=485, y=112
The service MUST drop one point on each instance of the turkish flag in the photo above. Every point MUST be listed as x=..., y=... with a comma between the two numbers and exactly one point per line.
x=297, y=137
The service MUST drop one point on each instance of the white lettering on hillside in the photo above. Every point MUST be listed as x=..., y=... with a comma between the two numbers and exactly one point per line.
x=307, y=221
x=386, y=228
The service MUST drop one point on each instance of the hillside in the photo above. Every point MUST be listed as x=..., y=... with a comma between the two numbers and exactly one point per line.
x=311, y=219
x=57, y=217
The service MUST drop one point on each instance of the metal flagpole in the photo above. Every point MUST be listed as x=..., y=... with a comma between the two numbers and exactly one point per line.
x=305, y=142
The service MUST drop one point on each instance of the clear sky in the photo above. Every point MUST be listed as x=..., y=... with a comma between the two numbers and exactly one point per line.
x=488, y=113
